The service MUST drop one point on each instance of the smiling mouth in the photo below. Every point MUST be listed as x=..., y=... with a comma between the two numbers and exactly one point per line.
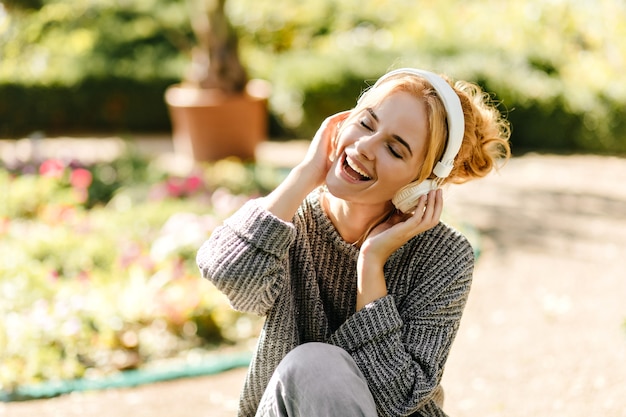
x=353, y=171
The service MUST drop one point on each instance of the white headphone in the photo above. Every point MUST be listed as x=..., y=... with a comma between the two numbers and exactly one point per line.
x=406, y=198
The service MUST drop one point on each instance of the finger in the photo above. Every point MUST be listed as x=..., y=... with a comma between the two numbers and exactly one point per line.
x=326, y=133
x=338, y=118
x=416, y=218
x=421, y=206
x=328, y=128
x=434, y=207
x=430, y=205
x=438, y=205
x=337, y=121
x=334, y=120
x=342, y=115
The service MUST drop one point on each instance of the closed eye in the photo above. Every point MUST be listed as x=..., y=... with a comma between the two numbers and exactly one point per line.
x=395, y=153
x=365, y=125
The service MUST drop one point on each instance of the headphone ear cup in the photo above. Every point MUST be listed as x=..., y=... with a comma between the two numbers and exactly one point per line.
x=406, y=198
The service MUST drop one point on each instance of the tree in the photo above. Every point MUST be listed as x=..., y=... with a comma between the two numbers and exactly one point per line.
x=215, y=57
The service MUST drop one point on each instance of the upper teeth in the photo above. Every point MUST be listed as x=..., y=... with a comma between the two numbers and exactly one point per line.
x=356, y=168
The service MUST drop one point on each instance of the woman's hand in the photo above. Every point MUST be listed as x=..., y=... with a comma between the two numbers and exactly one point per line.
x=321, y=152
x=308, y=174
x=388, y=237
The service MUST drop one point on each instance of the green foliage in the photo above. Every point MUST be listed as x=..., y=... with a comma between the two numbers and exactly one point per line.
x=22, y=5
x=97, y=270
x=58, y=183
x=556, y=66
x=67, y=42
x=104, y=104
x=90, y=65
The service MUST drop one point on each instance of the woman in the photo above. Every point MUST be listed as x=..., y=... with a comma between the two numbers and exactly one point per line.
x=361, y=284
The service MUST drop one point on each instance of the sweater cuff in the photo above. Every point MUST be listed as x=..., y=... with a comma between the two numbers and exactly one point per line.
x=261, y=228
x=375, y=321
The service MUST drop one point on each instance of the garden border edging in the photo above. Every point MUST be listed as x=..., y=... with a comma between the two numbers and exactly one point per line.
x=126, y=379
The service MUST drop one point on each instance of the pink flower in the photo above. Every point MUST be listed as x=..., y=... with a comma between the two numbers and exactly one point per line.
x=81, y=178
x=174, y=188
x=193, y=184
x=52, y=168
x=54, y=275
x=181, y=187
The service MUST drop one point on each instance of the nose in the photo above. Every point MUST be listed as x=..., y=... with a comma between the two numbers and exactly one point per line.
x=365, y=147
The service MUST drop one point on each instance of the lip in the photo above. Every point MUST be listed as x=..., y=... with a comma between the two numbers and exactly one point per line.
x=354, y=163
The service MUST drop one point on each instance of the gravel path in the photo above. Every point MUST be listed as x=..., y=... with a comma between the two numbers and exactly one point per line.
x=544, y=330
x=543, y=333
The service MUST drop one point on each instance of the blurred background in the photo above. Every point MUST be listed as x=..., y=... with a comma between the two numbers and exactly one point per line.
x=105, y=197
x=557, y=66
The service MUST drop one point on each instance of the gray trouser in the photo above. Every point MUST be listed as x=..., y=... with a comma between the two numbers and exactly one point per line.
x=315, y=380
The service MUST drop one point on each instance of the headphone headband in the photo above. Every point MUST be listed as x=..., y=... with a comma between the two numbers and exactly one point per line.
x=454, y=115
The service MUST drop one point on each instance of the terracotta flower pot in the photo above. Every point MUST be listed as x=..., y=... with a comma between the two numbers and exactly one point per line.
x=208, y=125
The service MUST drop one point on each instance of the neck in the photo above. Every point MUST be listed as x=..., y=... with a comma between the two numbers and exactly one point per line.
x=352, y=220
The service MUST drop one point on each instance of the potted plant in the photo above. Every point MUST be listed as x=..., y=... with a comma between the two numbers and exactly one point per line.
x=216, y=111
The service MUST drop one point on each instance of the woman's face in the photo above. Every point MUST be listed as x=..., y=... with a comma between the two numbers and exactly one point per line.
x=379, y=150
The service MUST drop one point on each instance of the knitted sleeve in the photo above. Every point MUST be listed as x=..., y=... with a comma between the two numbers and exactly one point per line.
x=246, y=258
x=402, y=349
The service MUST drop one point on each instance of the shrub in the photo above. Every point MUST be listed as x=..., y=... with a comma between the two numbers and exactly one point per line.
x=98, y=272
x=110, y=104
x=90, y=65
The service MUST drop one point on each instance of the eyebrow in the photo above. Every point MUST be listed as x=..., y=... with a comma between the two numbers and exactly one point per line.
x=396, y=137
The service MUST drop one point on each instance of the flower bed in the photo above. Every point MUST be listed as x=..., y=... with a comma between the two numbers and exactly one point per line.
x=97, y=271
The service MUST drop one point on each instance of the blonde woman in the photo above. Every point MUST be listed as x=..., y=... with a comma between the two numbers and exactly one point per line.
x=361, y=284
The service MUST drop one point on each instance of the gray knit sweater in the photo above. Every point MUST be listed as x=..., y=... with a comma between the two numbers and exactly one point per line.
x=302, y=277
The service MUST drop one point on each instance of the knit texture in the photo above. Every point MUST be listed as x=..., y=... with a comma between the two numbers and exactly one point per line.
x=302, y=277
